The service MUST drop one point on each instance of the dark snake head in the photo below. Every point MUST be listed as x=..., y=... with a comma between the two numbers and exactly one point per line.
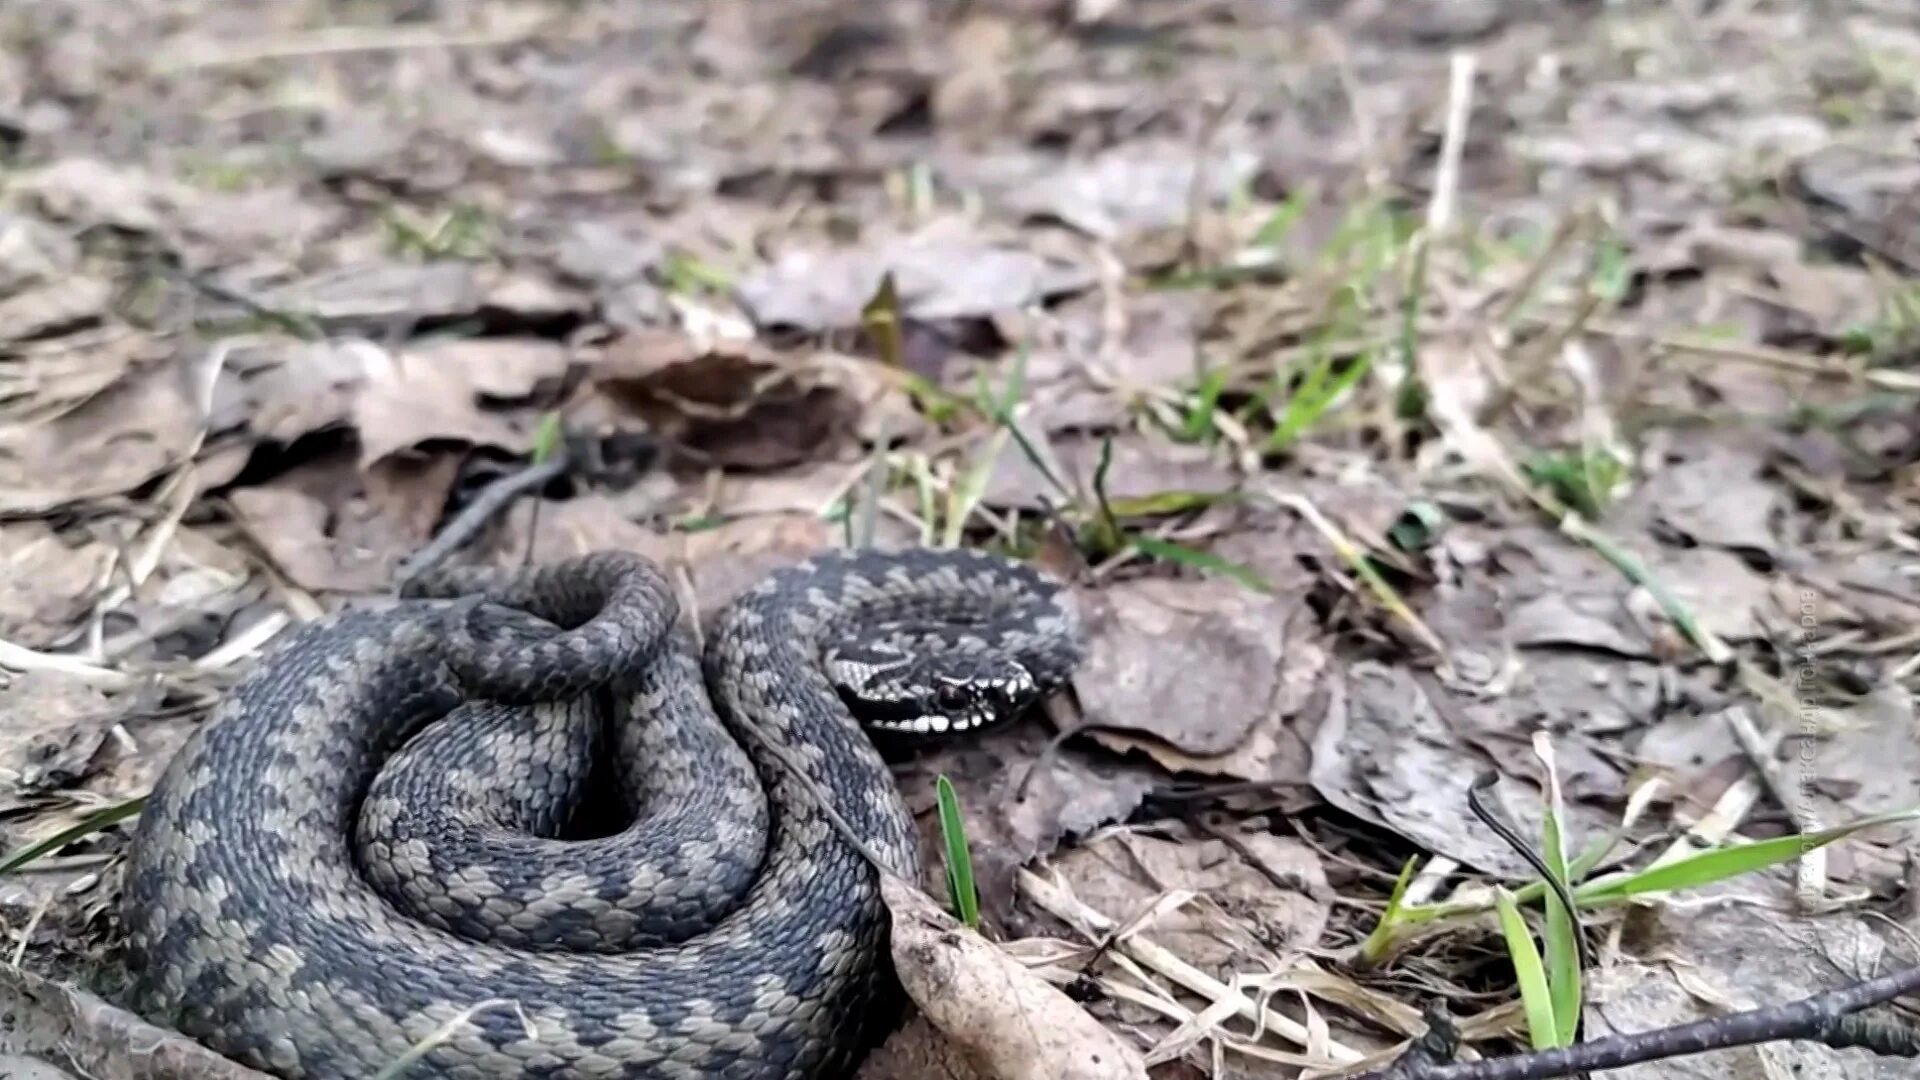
x=894, y=691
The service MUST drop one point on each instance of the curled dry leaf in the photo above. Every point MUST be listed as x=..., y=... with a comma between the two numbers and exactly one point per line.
x=735, y=405
x=1009, y=1022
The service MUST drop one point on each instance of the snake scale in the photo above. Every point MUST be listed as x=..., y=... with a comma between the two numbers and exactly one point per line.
x=370, y=846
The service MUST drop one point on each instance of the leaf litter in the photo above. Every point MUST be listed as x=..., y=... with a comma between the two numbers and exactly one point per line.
x=1355, y=503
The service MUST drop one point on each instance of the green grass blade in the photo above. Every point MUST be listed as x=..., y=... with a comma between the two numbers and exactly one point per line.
x=1166, y=550
x=1693, y=870
x=953, y=830
x=1542, y=1027
x=1562, y=928
x=87, y=826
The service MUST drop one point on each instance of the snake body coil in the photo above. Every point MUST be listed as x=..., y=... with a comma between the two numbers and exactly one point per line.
x=366, y=848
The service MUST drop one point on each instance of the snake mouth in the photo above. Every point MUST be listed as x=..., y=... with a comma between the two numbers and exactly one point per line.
x=935, y=723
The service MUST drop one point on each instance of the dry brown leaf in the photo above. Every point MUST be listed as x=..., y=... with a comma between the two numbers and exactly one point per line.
x=419, y=397
x=378, y=292
x=937, y=277
x=1194, y=663
x=284, y=390
x=1390, y=752
x=1248, y=922
x=1020, y=801
x=732, y=405
x=51, y=727
x=47, y=581
x=94, y=1038
x=1011, y=1023
x=52, y=308
x=118, y=440
x=331, y=528
x=916, y=1052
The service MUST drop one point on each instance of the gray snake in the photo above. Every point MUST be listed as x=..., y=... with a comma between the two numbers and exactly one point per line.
x=368, y=842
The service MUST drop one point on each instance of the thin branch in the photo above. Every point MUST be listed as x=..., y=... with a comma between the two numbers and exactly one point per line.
x=1825, y=1017
x=492, y=500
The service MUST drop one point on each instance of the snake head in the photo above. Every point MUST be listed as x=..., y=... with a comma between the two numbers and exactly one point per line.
x=897, y=692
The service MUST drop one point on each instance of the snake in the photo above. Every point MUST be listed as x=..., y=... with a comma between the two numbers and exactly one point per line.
x=381, y=851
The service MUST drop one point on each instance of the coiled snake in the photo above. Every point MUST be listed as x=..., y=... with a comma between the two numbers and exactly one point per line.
x=372, y=838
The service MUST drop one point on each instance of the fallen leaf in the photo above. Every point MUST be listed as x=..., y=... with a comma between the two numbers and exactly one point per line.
x=52, y=308
x=1133, y=187
x=730, y=405
x=1246, y=920
x=1390, y=755
x=1718, y=958
x=33, y=253
x=331, y=528
x=47, y=581
x=51, y=727
x=378, y=293
x=915, y=1051
x=424, y=396
x=1019, y=800
x=1193, y=663
x=1715, y=495
x=1010, y=1022
x=121, y=438
x=95, y=1038
x=937, y=278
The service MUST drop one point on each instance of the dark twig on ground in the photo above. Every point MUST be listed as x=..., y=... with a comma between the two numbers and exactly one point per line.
x=1827, y=1017
x=492, y=500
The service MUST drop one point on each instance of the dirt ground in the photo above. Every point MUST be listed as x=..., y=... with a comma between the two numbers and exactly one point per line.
x=1409, y=390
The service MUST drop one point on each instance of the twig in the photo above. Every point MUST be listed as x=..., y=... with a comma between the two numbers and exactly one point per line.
x=1825, y=1017
x=493, y=499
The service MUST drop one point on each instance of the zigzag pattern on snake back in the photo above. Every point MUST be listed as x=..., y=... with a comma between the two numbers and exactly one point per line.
x=366, y=839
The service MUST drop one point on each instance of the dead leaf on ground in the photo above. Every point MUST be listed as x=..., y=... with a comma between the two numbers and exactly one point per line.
x=1193, y=663
x=720, y=562
x=1388, y=755
x=51, y=728
x=1014, y=1024
x=47, y=581
x=426, y=395
x=92, y=1037
x=283, y=390
x=1567, y=595
x=1081, y=378
x=1711, y=959
x=331, y=528
x=33, y=253
x=731, y=405
x=118, y=440
x=915, y=1052
x=376, y=293
x=90, y=191
x=1246, y=920
x=1135, y=187
x=1017, y=805
x=1714, y=493
x=938, y=277
x=52, y=308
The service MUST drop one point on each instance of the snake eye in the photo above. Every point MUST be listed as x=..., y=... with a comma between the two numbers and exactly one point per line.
x=950, y=697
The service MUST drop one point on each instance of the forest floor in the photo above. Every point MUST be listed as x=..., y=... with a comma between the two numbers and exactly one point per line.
x=1409, y=391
